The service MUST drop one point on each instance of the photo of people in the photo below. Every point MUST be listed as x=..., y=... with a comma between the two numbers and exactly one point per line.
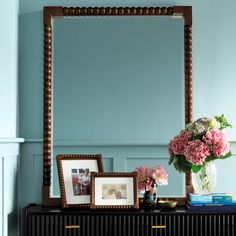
x=114, y=191
x=80, y=181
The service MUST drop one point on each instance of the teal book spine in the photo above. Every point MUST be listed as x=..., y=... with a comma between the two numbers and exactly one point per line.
x=211, y=198
x=233, y=203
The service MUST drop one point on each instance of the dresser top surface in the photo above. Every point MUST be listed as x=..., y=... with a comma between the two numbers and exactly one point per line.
x=38, y=209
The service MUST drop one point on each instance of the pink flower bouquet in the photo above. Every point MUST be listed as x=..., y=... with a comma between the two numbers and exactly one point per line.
x=201, y=141
x=148, y=176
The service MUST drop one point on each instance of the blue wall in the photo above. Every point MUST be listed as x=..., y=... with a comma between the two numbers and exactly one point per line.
x=213, y=79
x=8, y=68
x=9, y=148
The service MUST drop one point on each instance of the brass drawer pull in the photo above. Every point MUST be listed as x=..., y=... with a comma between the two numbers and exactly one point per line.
x=72, y=226
x=158, y=226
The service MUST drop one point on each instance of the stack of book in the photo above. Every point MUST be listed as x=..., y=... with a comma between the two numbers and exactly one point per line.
x=222, y=202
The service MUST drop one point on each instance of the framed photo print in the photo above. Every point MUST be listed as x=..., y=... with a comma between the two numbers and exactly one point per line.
x=74, y=178
x=114, y=190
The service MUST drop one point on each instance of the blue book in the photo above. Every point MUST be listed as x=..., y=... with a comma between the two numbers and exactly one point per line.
x=212, y=208
x=233, y=203
x=211, y=198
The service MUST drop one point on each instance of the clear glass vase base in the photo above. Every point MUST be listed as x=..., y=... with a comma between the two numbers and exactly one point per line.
x=204, y=182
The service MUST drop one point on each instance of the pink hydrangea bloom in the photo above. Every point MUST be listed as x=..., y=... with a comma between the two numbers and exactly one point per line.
x=201, y=139
x=144, y=173
x=220, y=148
x=160, y=176
x=178, y=144
x=217, y=139
x=196, y=152
x=214, y=136
x=147, y=176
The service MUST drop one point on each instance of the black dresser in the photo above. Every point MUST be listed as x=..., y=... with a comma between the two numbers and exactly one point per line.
x=40, y=221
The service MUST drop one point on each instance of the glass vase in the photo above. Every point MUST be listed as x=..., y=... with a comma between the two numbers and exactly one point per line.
x=204, y=181
x=150, y=197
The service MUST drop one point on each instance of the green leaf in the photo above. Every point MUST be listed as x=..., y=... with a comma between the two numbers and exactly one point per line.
x=223, y=122
x=185, y=169
x=184, y=162
x=196, y=136
x=196, y=169
x=182, y=165
x=172, y=160
x=177, y=167
x=210, y=158
x=227, y=155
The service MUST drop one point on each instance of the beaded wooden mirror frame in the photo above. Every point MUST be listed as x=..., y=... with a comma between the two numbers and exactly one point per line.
x=58, y=11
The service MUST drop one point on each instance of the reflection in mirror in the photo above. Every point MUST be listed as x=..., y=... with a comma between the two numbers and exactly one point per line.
x=118, y=88
x=118, y=81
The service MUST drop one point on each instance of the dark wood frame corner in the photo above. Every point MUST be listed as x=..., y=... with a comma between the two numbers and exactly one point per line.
x=60, y=158
x=114, y=175
x=59, y=11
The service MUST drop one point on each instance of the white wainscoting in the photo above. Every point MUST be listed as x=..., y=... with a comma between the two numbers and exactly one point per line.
x=116, y=157
x=9, y=186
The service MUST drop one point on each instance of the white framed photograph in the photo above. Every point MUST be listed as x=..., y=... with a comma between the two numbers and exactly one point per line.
x=114, y=190
x=74, y=178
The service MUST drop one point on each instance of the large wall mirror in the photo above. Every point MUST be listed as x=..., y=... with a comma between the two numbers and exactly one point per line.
x=117, y=81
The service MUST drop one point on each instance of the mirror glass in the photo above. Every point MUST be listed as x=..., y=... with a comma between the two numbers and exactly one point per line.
x=118, y=90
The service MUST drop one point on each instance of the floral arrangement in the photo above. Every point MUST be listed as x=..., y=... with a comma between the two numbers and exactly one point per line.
x=201, y=141
x=148, y=176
